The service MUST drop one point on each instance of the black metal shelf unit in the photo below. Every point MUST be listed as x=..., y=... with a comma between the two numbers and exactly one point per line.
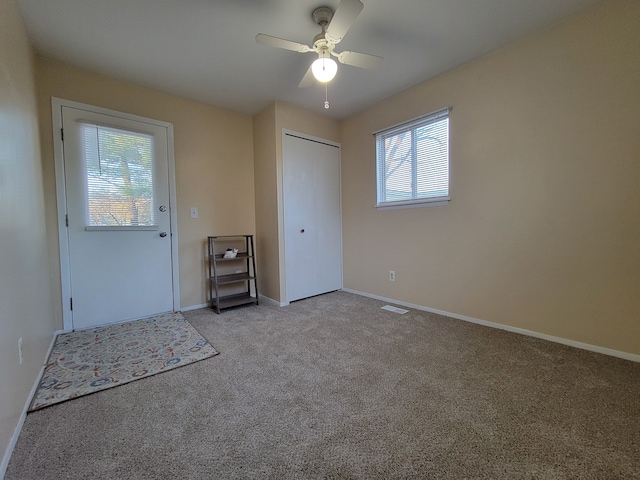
x=232, y=274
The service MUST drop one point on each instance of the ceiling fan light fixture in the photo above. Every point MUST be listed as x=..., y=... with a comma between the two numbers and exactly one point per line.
x=324, y=69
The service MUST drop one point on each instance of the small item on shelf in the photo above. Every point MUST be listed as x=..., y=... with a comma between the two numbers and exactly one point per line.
x=231, y=253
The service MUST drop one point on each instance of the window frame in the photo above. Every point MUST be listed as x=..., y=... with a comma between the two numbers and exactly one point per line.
x=410, y=125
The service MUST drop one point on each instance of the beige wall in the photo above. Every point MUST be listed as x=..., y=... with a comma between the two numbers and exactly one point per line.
x=542, y=231
x=268, y=126
x=25, y=293
x=213, y=159
x=264, y=157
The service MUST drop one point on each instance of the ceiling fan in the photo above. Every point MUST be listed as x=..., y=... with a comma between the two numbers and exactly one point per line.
x=334, y=27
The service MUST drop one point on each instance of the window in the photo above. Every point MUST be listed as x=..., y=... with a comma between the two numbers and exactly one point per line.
x=119, y=176
x=413, y=162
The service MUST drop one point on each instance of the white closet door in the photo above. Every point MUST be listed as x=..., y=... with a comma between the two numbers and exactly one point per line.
x=312, y=217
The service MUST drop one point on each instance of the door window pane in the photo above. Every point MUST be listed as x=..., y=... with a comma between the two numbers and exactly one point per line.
x=119, y=176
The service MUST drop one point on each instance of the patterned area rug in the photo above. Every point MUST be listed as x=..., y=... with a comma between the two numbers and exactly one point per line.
x=91, y=360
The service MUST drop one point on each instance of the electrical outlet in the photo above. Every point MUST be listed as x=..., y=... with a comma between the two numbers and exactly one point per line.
x=392, y=275
x=20, y=349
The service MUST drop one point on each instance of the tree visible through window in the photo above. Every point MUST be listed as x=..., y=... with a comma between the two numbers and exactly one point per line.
x=119, y=174
x=413, y=161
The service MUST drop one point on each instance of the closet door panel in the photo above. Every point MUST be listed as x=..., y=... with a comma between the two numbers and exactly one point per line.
x=312, y=217
x=328, y=218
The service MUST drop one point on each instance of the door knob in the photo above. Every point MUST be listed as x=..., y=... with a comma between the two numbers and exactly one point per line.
x=162, y=208
x=163, y=234
x=302, y=231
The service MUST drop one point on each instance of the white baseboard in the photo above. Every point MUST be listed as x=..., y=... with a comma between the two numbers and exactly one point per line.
x=572, y=343
x=16, y=433
x=194, y=307
x=271, y=301
x=262, y=298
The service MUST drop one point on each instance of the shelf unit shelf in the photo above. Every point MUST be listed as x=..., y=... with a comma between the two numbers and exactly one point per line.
x=233, y=278
x=223, y=272
x=233, y=301
x=220, y=257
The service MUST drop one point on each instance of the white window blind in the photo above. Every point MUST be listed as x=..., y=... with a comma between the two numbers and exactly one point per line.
x=119, y=177
x=413, y=161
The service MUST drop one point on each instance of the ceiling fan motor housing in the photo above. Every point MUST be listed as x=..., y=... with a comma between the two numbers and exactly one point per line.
x=320, y=42
x=322, y=16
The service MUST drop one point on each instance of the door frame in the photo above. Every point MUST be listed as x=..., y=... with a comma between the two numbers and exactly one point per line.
x=61, y=199
x=281, y=226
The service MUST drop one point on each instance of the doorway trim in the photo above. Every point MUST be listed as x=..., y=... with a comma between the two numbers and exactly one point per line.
x=61, y=199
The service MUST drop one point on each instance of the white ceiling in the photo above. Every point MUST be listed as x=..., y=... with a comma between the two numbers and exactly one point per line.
x=206, y=50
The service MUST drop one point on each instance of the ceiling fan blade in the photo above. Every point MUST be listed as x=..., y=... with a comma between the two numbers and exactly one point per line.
x=361, y=60
x=343, y=18
x=308, y=79
x=270, y=41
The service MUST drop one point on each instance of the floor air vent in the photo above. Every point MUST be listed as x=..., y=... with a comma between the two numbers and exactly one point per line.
x=394, y=309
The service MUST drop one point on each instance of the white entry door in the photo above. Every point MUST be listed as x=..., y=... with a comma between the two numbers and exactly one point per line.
x=312, y=216
x=116, y=176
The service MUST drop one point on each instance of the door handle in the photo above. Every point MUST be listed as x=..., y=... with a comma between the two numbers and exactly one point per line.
x=163, y=234
x=302, y=231
x=162, y=208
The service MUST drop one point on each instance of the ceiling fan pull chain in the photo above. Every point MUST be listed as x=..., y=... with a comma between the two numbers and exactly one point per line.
x=326, y=95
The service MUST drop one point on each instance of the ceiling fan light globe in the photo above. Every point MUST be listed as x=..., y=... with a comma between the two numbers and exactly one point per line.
x=324, y=69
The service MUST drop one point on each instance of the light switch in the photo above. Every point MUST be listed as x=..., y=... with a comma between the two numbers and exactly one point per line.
x=194, y=212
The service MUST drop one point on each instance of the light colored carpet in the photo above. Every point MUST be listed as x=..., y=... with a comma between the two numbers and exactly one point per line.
x=87, y=361
x=334, y=387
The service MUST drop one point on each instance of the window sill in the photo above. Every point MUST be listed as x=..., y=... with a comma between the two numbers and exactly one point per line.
x=437, y=202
